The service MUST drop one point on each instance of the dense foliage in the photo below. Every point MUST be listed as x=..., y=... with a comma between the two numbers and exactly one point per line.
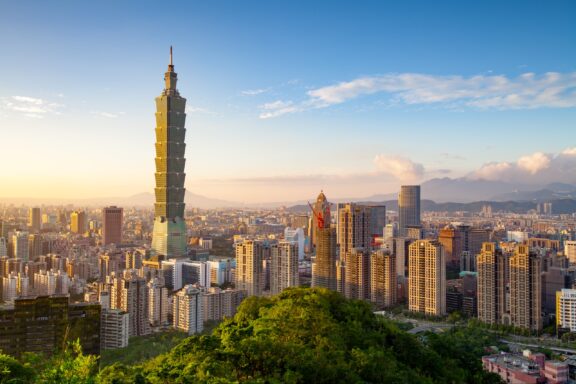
x=300, y=336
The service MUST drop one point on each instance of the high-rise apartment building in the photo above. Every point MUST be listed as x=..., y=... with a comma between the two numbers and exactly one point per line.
x=51, y=282
x=324, y=264
x=78, y=222
x=356, y=274
x=426, y=278
x=14, y=285
x=383, y=278
x=570, y=251
x=218, y=303
x=112, y=221
x=492, y=267
x=34, y=219
x=408, y=208
x=158, y=306
x=566, y=309
x=188, y=310
x=130, y=294
x=21, y=246
x=169, y=234
x=283, y=266
x=250, y=256
x=114, y=329
x=525, y=289
x=354, y=227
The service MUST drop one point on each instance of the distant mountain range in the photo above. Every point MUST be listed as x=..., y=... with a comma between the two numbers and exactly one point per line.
x=464, y=190
x=436, y=193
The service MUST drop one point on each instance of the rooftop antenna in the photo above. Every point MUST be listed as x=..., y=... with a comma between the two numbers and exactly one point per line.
x=171, y=55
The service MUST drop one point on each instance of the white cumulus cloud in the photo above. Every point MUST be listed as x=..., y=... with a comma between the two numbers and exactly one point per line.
x=527, y=91
x=536, y=168
x=31, y=107
x=400, y=167
x=535, y=162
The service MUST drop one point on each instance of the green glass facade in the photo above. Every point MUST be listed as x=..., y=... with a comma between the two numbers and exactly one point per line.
x=44, y=324
x=169, y=234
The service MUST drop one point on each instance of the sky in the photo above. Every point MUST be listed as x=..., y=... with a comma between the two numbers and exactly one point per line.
x=285, y=98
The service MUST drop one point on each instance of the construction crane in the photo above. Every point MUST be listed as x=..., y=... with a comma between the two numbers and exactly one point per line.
x=318, y=216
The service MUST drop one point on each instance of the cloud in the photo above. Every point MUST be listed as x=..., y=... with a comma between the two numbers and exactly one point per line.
x=276, y=108
x=400, y=167
x=254, y=92
x=536, y=168
x=481, y=92
x=31, y=107
x=108, y=115
x=534, y=162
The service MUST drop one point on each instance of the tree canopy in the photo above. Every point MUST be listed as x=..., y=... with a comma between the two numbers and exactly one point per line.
x=300, y=336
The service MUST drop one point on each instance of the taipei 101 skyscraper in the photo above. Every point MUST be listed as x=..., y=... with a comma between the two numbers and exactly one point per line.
x=169, y=235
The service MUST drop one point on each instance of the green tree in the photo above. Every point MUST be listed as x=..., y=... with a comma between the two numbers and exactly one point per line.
x=70, y=367
x=12, y=371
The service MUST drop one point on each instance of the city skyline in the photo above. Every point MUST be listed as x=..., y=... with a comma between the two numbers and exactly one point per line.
x=285, y=100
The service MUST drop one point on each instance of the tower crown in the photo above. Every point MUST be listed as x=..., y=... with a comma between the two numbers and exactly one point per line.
x=170, y=77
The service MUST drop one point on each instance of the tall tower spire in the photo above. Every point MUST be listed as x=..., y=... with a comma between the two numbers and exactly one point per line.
x=169, y=235
x=170, y=77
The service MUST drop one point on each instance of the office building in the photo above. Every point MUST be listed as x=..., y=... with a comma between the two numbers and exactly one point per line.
x=427, y=278
x=296, y=236
x=452, y=239
x=408, y=208
x=3, y=247
x=34, y=219
x=21, y=246
x=383, y=279
x=114, y=329
x=42, y=324
x=187, y=310
x=250, y=255
x=112, y=221
x=78, y=222
x=283, y=266
x=35, y=242
x=492, y=266
x=354, y=227
x=169, y=234
x=525, y=289
x=390, y=231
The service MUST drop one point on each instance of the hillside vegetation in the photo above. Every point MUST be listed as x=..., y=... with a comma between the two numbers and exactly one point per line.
x=300, y=336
